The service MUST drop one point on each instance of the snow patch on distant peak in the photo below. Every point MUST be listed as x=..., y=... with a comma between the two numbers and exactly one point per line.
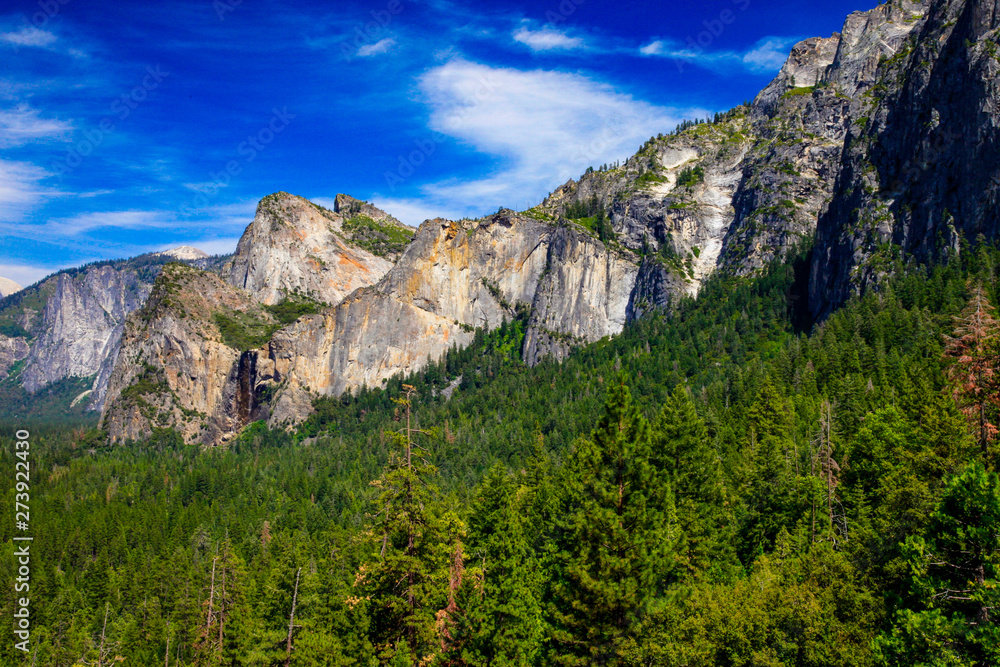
x=184, y=252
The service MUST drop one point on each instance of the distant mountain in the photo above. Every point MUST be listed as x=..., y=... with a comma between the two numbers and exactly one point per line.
x=184, y=252
x=8, y=287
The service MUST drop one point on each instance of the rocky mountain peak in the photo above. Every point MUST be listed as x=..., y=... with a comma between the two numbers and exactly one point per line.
x=348, y=207
x=296, y=247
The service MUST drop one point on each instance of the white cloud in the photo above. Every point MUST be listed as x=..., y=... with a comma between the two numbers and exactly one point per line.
x=769, y=54
x=20, y=188
x=547, y=39
x=85, y=222
x=378, y=47
x=23, y=124
x=221, y=219
x=657, y=48
x=547, y=126
x=29, y=36
x=666, y=50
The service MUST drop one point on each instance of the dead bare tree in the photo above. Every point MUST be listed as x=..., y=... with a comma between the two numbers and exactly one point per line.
x=291, y=620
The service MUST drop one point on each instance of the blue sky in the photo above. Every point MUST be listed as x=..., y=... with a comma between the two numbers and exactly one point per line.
x=134, y=126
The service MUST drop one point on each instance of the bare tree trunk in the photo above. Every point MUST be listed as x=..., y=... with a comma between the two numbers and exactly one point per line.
x=100, y=650
x=291, y=620
x=166, y=654
x=222, y=608
x=211, y=600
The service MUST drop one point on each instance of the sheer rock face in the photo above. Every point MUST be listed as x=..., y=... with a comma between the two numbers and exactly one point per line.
x=454, y=277
x=78, y=331
x=582, y=297
x=12, y=350
x=294, y=246
x=768, y=170
x=175, y=368
x=922, y=171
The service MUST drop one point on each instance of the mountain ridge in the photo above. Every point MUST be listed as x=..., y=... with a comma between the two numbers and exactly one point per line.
x=369, y=298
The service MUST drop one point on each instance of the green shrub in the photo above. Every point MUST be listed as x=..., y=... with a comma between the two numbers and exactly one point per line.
x=690, y=176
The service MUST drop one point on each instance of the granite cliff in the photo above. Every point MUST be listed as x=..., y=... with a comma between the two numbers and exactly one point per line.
x=69, y=325
x=184, y=361
x=874, y=145
x=294, y=246
x=920, y=175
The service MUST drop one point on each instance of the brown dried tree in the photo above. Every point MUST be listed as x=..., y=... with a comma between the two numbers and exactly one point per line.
x=974, y=377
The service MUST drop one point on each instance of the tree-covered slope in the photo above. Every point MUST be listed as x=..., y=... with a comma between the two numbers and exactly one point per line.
x=789, y=495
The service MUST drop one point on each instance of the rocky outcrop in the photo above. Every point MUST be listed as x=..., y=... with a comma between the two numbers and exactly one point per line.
x=12, y=350
x=295, y=247
x=921, y=170
x=186, y=360
x=582, y=296
x=745, y=188
x=70, y=324
x=453, y=278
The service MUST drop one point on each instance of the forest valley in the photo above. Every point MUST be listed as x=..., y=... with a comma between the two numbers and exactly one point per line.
x=729, y=484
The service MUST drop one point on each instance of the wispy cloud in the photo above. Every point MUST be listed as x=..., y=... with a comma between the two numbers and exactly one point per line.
x=23, y=124
x=767, y=55
x=21, y=188
x=547, y=39
x=381, y=46
x=545, y=126
x=210, y=223
x=29, y=36
x=660, y=47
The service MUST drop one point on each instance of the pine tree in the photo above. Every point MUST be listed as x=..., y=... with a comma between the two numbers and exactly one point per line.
x=976, y=383
x=502, y=623
x=223, y=586
x=614, y=537
x=771, y=475
x=956, y=576
x=407, y=578
x=683, y=453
